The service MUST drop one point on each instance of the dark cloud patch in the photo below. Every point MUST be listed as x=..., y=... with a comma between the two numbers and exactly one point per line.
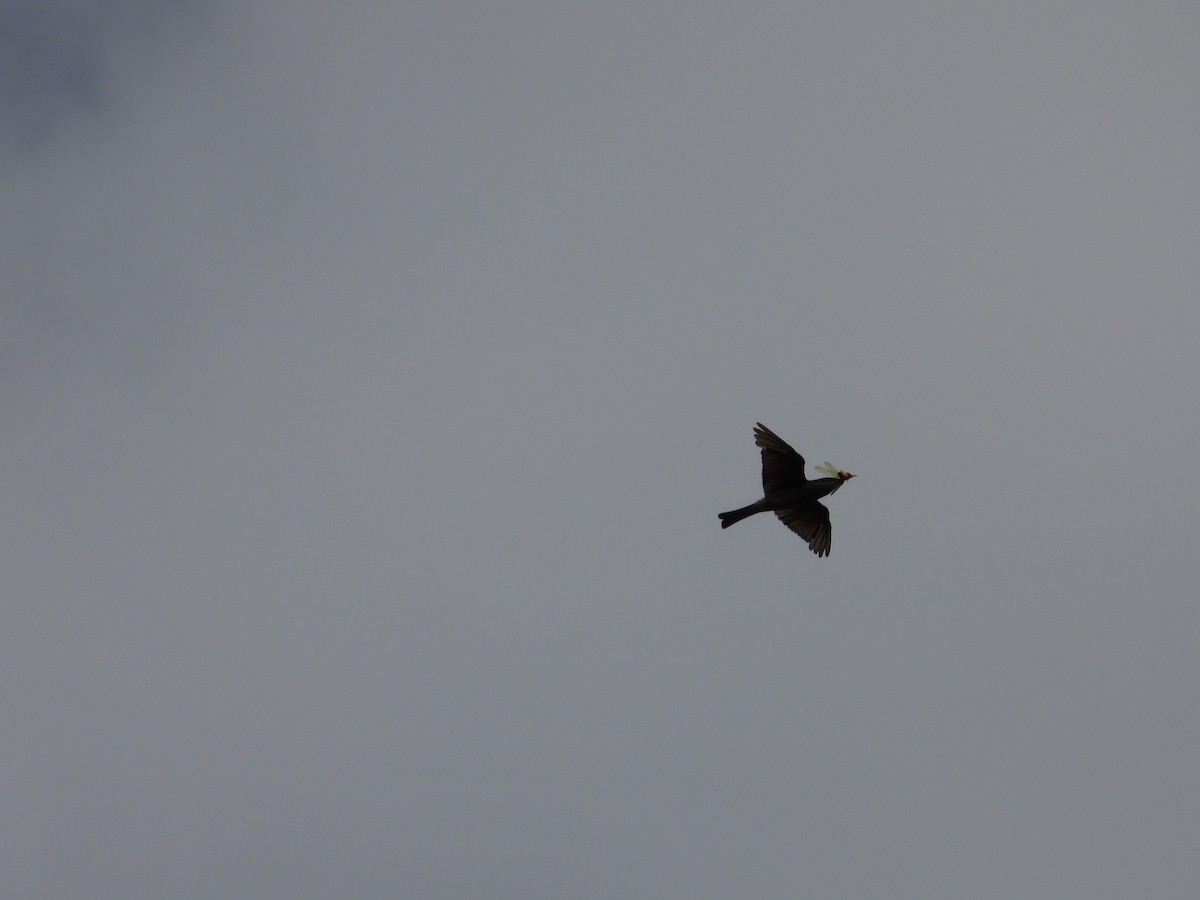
x=50, y=62
x=58, y=58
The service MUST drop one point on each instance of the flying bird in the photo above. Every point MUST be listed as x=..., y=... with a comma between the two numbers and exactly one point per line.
x=791, y=496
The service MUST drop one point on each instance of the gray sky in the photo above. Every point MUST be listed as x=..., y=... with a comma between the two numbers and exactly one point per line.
x=372, y=375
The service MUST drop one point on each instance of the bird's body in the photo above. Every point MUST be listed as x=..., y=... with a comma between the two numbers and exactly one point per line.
x=789, y=494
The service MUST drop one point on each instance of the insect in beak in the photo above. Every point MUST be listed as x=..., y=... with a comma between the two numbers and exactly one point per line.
x=833, y=471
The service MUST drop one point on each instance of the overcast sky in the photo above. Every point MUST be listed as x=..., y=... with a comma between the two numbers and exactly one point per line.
x=372, y=375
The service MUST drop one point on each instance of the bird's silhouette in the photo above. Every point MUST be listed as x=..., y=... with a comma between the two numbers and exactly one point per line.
x=789, y=494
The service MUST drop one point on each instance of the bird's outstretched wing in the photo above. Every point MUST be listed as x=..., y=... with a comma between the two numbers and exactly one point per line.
x=811, y=522
x=782, y=466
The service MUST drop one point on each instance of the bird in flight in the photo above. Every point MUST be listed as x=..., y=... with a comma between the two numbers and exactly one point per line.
x=791, y=496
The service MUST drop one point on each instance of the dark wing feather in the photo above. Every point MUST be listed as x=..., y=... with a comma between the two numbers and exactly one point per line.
x=782, y=466
x=811, y=522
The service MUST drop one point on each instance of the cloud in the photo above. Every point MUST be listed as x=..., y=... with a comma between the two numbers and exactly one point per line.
x=60, y=59
x=372, y=377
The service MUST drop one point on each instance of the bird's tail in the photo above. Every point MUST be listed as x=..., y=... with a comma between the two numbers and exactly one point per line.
x=728, y=518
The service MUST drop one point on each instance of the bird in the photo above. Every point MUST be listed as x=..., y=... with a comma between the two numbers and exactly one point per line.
x=791, y=496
